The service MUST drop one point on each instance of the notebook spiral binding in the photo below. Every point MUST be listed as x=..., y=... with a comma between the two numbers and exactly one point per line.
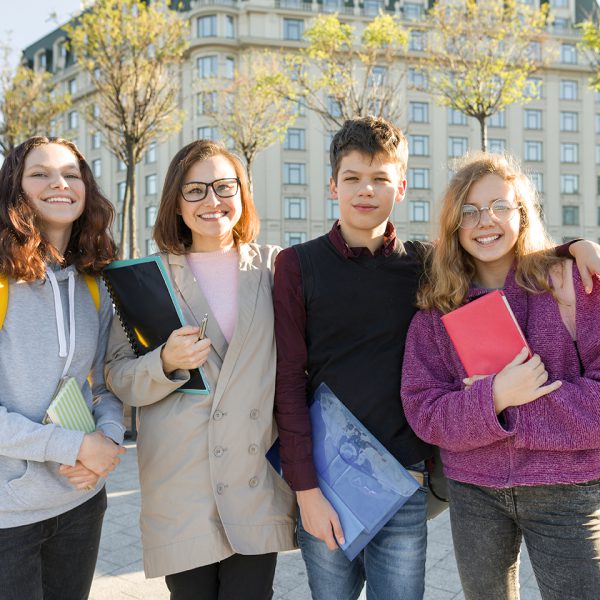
x=128, y=332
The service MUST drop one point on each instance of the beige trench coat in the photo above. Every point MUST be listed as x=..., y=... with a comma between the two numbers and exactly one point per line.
x=207, y=489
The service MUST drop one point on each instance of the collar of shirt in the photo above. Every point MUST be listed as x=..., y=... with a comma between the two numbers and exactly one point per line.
x=339, y=243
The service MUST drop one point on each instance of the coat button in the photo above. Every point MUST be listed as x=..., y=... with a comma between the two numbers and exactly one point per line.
x=218, y=415
x=254, y=413
x=220, y=488
x=252, y=449
x=218, y=451
x=253, y=482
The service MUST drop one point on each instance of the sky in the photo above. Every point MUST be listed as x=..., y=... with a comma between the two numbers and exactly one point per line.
x=26, y=21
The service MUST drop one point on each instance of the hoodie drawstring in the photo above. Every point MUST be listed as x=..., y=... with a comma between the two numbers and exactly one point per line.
x=60, y=323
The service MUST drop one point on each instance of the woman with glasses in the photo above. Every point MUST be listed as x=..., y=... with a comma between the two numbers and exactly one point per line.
x=214, y=511
x=521, y=447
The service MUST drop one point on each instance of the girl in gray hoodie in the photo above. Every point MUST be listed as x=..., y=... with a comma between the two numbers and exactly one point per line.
x=53, y=233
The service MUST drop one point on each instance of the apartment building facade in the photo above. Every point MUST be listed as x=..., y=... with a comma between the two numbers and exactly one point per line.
x=556, y=134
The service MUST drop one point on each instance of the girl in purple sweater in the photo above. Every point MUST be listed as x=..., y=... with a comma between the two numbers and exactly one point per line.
x=521, y=448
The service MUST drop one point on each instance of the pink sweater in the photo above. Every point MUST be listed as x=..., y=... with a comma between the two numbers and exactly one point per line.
x=554, y=439
x=216, y=274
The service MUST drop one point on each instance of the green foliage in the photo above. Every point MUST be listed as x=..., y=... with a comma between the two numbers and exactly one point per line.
x=342, y=74
x=131, y=50
x=480, y=55
x=28, y=103
x=247, y=109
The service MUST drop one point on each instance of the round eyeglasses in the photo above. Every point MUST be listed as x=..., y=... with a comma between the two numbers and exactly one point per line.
x=499, y=211
x=194, y=191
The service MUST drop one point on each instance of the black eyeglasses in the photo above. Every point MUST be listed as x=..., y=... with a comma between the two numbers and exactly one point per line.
x=194, y=191
x=499, y=210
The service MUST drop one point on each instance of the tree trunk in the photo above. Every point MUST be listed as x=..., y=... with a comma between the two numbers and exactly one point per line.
x=483, y=126
x=124, y=243
x=133, y=238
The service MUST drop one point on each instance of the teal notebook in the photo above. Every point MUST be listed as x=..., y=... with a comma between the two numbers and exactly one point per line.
x=148, y=308
x=68, y=408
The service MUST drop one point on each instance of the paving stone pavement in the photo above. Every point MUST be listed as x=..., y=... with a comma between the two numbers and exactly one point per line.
x=119, y=572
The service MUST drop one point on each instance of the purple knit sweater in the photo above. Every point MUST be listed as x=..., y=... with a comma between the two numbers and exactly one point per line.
x=554, y=439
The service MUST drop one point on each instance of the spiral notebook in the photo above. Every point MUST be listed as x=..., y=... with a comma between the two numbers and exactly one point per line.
x=147, y=308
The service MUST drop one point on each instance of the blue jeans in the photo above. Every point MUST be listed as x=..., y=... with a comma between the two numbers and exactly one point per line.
x=52, y=559
x=392, y=563
x=561, y=528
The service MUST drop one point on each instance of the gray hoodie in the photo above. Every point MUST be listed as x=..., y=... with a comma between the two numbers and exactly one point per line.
x=35, y=342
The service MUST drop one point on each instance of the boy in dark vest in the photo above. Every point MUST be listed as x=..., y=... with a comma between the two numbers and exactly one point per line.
x=343, y=303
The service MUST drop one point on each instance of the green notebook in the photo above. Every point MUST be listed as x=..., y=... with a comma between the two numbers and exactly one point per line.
x=68, y=408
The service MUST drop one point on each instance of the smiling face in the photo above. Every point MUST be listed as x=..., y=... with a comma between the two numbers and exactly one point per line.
x=211, y=220
x=53, y=186
x=366, y=190
x=491, y=244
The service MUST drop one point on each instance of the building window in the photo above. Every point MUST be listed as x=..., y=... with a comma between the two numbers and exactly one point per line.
x=294, y=173
x=378, y=75
x=534, y=88
x=598, y=185
x=205, y=102
x=372, y=7
x=597, y=123
x=330, y=6
x=417, y=78
x=121, y=166
x=457, y=146
x=73, y=119
x=455, y=117
x=418, y=211
x=569, y=152
x=207, y=133
x=497, y=120
x=293, y=29
x=229, y=27
x=560, y=24
x=96, y=140
x=416, y=40
x=533, y=150
x=151, y=247
x=294, y=207
x=294, y=139
x=412, y=11
x=419, y=112
x=121, y=187
x=418, y=145
x=333, y=209
x=569, y=184
x=151, y=153
x=292, y=238
x=598, y=154
x=496, y=146
x=570, y=215
x=229, y=67
x=207, y=66
x=301, y=107
x=568, y=89
x=532, y=118
x=559, y=3
x=97, y=167
x=568, y=54
x=72, y=86
x=537, y=179
x=206, y=26
x=568, y=121
x=418, y=178
x=334, y=107
x=534, y=51
x=150, y=185
x=151, y=212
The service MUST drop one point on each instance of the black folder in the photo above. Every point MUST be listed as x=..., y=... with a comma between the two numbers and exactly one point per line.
x=147, y=307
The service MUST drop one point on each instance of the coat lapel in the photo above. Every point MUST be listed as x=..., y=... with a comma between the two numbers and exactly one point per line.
x=194, y=304
x=248, y=286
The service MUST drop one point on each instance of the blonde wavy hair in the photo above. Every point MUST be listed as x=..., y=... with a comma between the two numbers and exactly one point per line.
x=450, y=269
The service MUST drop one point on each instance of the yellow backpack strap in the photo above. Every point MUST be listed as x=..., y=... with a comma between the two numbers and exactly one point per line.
x=3, y=298
x=92, y=284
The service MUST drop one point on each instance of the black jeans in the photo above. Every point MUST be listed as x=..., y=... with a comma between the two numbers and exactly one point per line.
x=239, y=577
x=52, y=559
x=561, y=528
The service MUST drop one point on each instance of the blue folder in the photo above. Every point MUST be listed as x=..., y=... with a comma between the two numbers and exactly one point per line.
x=363, y=482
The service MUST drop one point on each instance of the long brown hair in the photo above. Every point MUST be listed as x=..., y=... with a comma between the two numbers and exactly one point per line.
x=451, y=269
x=171, y=234
x=24, y=252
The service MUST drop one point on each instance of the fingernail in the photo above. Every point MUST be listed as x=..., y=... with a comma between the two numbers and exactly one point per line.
x=588, y=290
